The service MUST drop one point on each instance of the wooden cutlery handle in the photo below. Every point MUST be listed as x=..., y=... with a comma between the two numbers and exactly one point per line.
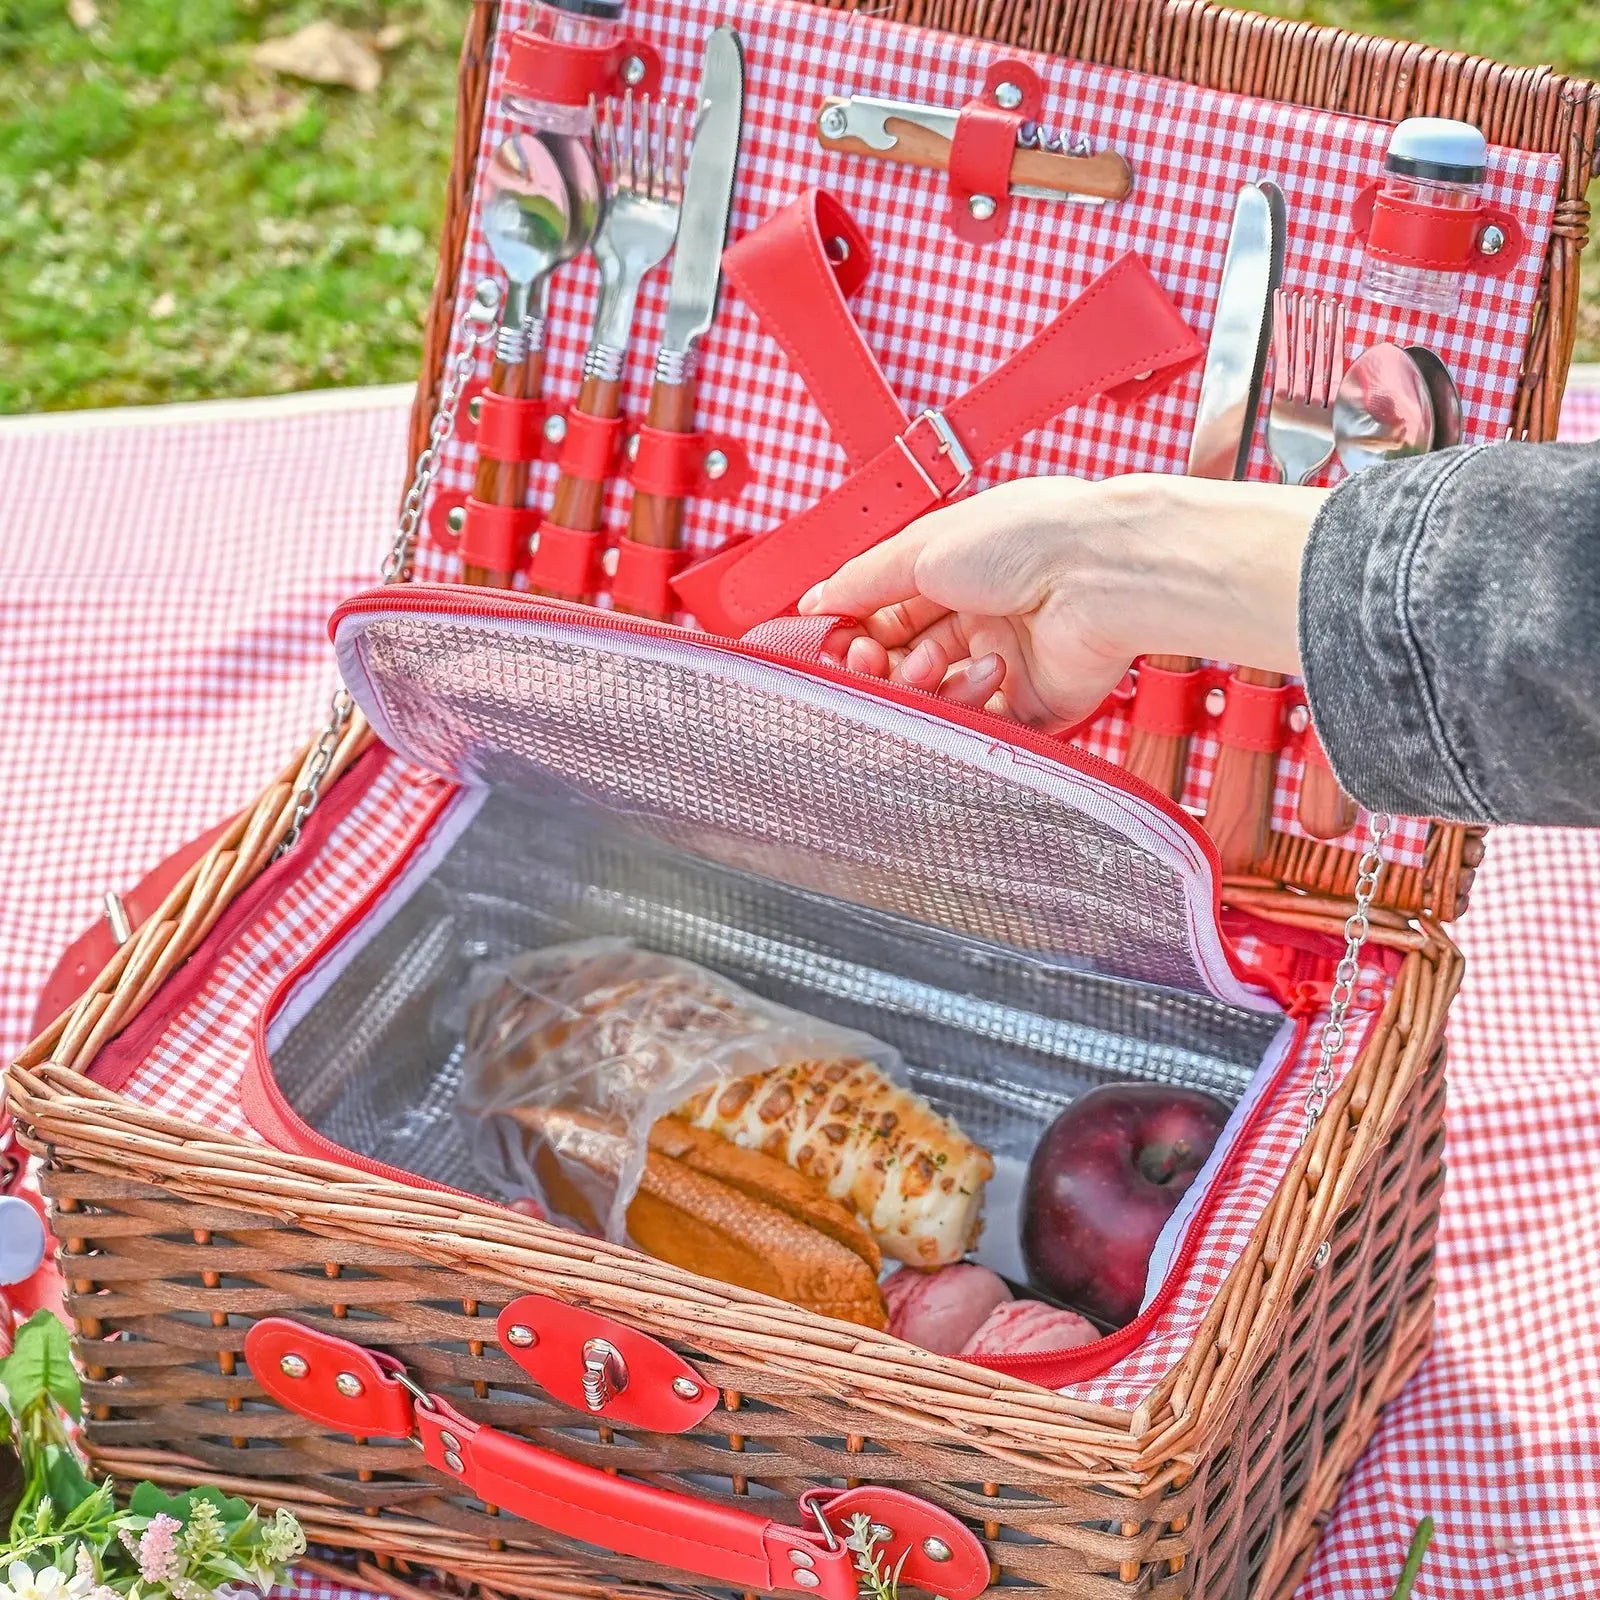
x=578, y=502
x=654, y=518
x=1239, y=807
x=1159, y=758
x=505, y=483
x=1325, y=810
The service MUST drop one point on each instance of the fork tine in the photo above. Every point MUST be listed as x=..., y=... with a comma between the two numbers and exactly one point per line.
x=1282, y=340
x=1336, y=365
x=1320, y=329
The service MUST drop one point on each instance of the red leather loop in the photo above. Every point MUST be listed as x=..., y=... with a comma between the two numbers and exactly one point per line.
x=1411, y=233
x=566, y=562
x=513, y=430
x=1169, y=704
x=642, y=582
x=1253, y=717
x=560, y=73
x=496, y=537
x=984, y=147
x=300, y=1368
x=673, y=465
x=1120, y=326
x=590, y=448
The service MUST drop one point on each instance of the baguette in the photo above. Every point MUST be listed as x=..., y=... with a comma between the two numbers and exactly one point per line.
x=705, y=1224
x=913, y=1176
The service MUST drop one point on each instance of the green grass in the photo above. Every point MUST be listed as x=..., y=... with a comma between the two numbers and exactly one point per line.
x=177, y=225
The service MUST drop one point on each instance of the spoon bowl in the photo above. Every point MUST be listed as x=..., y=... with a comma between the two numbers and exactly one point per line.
x=527, y=217
x=1383, y=411
x=1444, y=394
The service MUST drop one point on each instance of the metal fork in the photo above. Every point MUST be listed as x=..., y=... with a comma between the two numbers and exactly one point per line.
x=642, y=149
x=1307, y=366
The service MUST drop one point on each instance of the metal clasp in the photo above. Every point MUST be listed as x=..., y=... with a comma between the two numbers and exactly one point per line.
x=605, y=1373
x=949, y=446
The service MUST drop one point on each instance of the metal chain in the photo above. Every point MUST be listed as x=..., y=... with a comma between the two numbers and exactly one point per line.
x=478, y=328
x=1356, y=928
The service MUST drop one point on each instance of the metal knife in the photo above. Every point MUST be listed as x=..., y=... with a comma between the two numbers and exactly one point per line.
x=1241, y=335
x=696, y=269
x=1044, y=167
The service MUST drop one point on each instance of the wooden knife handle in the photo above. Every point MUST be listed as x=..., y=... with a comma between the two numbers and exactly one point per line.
x=505, y=483
x=1325, y=810
x=1102, y=176
x=578, y=502
x=655, y=518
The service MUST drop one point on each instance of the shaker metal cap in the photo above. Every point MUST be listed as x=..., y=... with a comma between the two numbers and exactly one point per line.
x=1436, y=147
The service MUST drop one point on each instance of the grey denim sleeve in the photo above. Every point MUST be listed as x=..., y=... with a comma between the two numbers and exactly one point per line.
x=1450, y=634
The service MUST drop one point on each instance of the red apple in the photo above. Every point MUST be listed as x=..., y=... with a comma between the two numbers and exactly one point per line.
x=1105, y=1177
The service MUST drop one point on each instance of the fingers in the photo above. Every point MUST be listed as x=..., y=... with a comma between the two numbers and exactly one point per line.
x=881, y=577
x=975, y=683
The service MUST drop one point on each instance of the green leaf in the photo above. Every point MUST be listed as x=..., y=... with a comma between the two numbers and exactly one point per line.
x=65, y=1481
x=40, y=1368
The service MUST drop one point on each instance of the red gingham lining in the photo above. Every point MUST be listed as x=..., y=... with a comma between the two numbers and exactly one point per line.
x=1189, y=148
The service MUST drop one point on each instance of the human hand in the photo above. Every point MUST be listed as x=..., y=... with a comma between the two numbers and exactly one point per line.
x=1033, y=598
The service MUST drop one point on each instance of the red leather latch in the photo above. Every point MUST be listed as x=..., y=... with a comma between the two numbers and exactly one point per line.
x=566, y=561
x=516, y=430
x=561, y=73
x=985, y=145
x=941, y=1554
x=330, y=1380
x=685, y=466
x=496, y=537
x=1412, y=234
x=605, y=1368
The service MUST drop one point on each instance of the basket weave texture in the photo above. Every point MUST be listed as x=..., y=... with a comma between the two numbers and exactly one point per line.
x=1215, y=1485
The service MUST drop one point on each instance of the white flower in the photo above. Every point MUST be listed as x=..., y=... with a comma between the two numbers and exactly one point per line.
x=51, y=1584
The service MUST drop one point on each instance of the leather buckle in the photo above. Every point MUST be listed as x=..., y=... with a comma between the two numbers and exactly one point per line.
x=948, y=446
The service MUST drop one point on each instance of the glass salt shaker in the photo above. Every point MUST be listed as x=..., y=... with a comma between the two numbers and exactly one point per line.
x=593, y=24
x=1431, y=161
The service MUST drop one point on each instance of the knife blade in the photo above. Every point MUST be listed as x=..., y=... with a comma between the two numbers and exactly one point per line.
x=707, y=194
x=920, y=136
x=1241, y=334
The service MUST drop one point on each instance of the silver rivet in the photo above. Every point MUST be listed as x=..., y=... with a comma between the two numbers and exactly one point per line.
x=633, y=70
x=882, y=1531
x=533, y=544
x=838, y=250
x=688, y=1389
x=935, y=1549
x=1299, y=719
x=521, y=1335
x=1492, y=240
x=803, y=1558
x=981, y=206
x=293, y=1366
x=449, y=1440
x=804, y=1579
x=452, y=1460
x=347, y=1383
x=632, y=447
x=555, y=428
x=716, y=464
x=1320, y=1259
x=609, y=561
x=833, y=122
x=456, y=518
x=475, y=407
x=1216, y=702
x=1007, y=96
x=485, y=301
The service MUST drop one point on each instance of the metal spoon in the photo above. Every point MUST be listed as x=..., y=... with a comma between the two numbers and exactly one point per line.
x=1383, y=411
x=1444, y=394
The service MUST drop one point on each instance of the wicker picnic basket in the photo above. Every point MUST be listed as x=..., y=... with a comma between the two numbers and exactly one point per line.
x=177, y=1237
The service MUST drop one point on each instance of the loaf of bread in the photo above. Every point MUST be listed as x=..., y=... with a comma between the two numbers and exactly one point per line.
x=742, y=1218
x=914, y=1177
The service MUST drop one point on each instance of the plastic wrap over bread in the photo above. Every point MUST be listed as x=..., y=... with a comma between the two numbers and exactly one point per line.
x=597, y=1073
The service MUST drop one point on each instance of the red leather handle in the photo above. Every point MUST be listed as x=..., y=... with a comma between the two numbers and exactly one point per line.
x=349, y=1389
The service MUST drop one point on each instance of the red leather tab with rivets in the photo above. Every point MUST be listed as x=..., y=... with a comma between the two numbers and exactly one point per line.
x=642, y=583
x=513, y=430
x=1413, y=233
x=496, y=537
x=302, y=1370
x=591, y=446
x=678, y=466
x=566, y=562
x=659, y=1390
x=563, y=73
x=983, y=148
x=1253, y=716
x=941, y=1553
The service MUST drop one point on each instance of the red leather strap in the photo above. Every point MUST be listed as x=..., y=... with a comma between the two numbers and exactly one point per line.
x=673, y=465
x=1169, y=704
x=983, y=148
x=562, y=73
x=1122, y=325
x=591, y=446
x=796, y=272
x=566, y=561
x=1253, y=717
x=1412, y=233
x=513, y=430
x=496, y=537
x=642, y=582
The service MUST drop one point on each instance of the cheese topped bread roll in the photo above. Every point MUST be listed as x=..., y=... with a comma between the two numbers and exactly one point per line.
x=914, y=1177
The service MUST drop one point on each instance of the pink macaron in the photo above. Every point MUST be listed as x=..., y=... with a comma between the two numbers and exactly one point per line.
x=1029, y=1327
x=943, y=1309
